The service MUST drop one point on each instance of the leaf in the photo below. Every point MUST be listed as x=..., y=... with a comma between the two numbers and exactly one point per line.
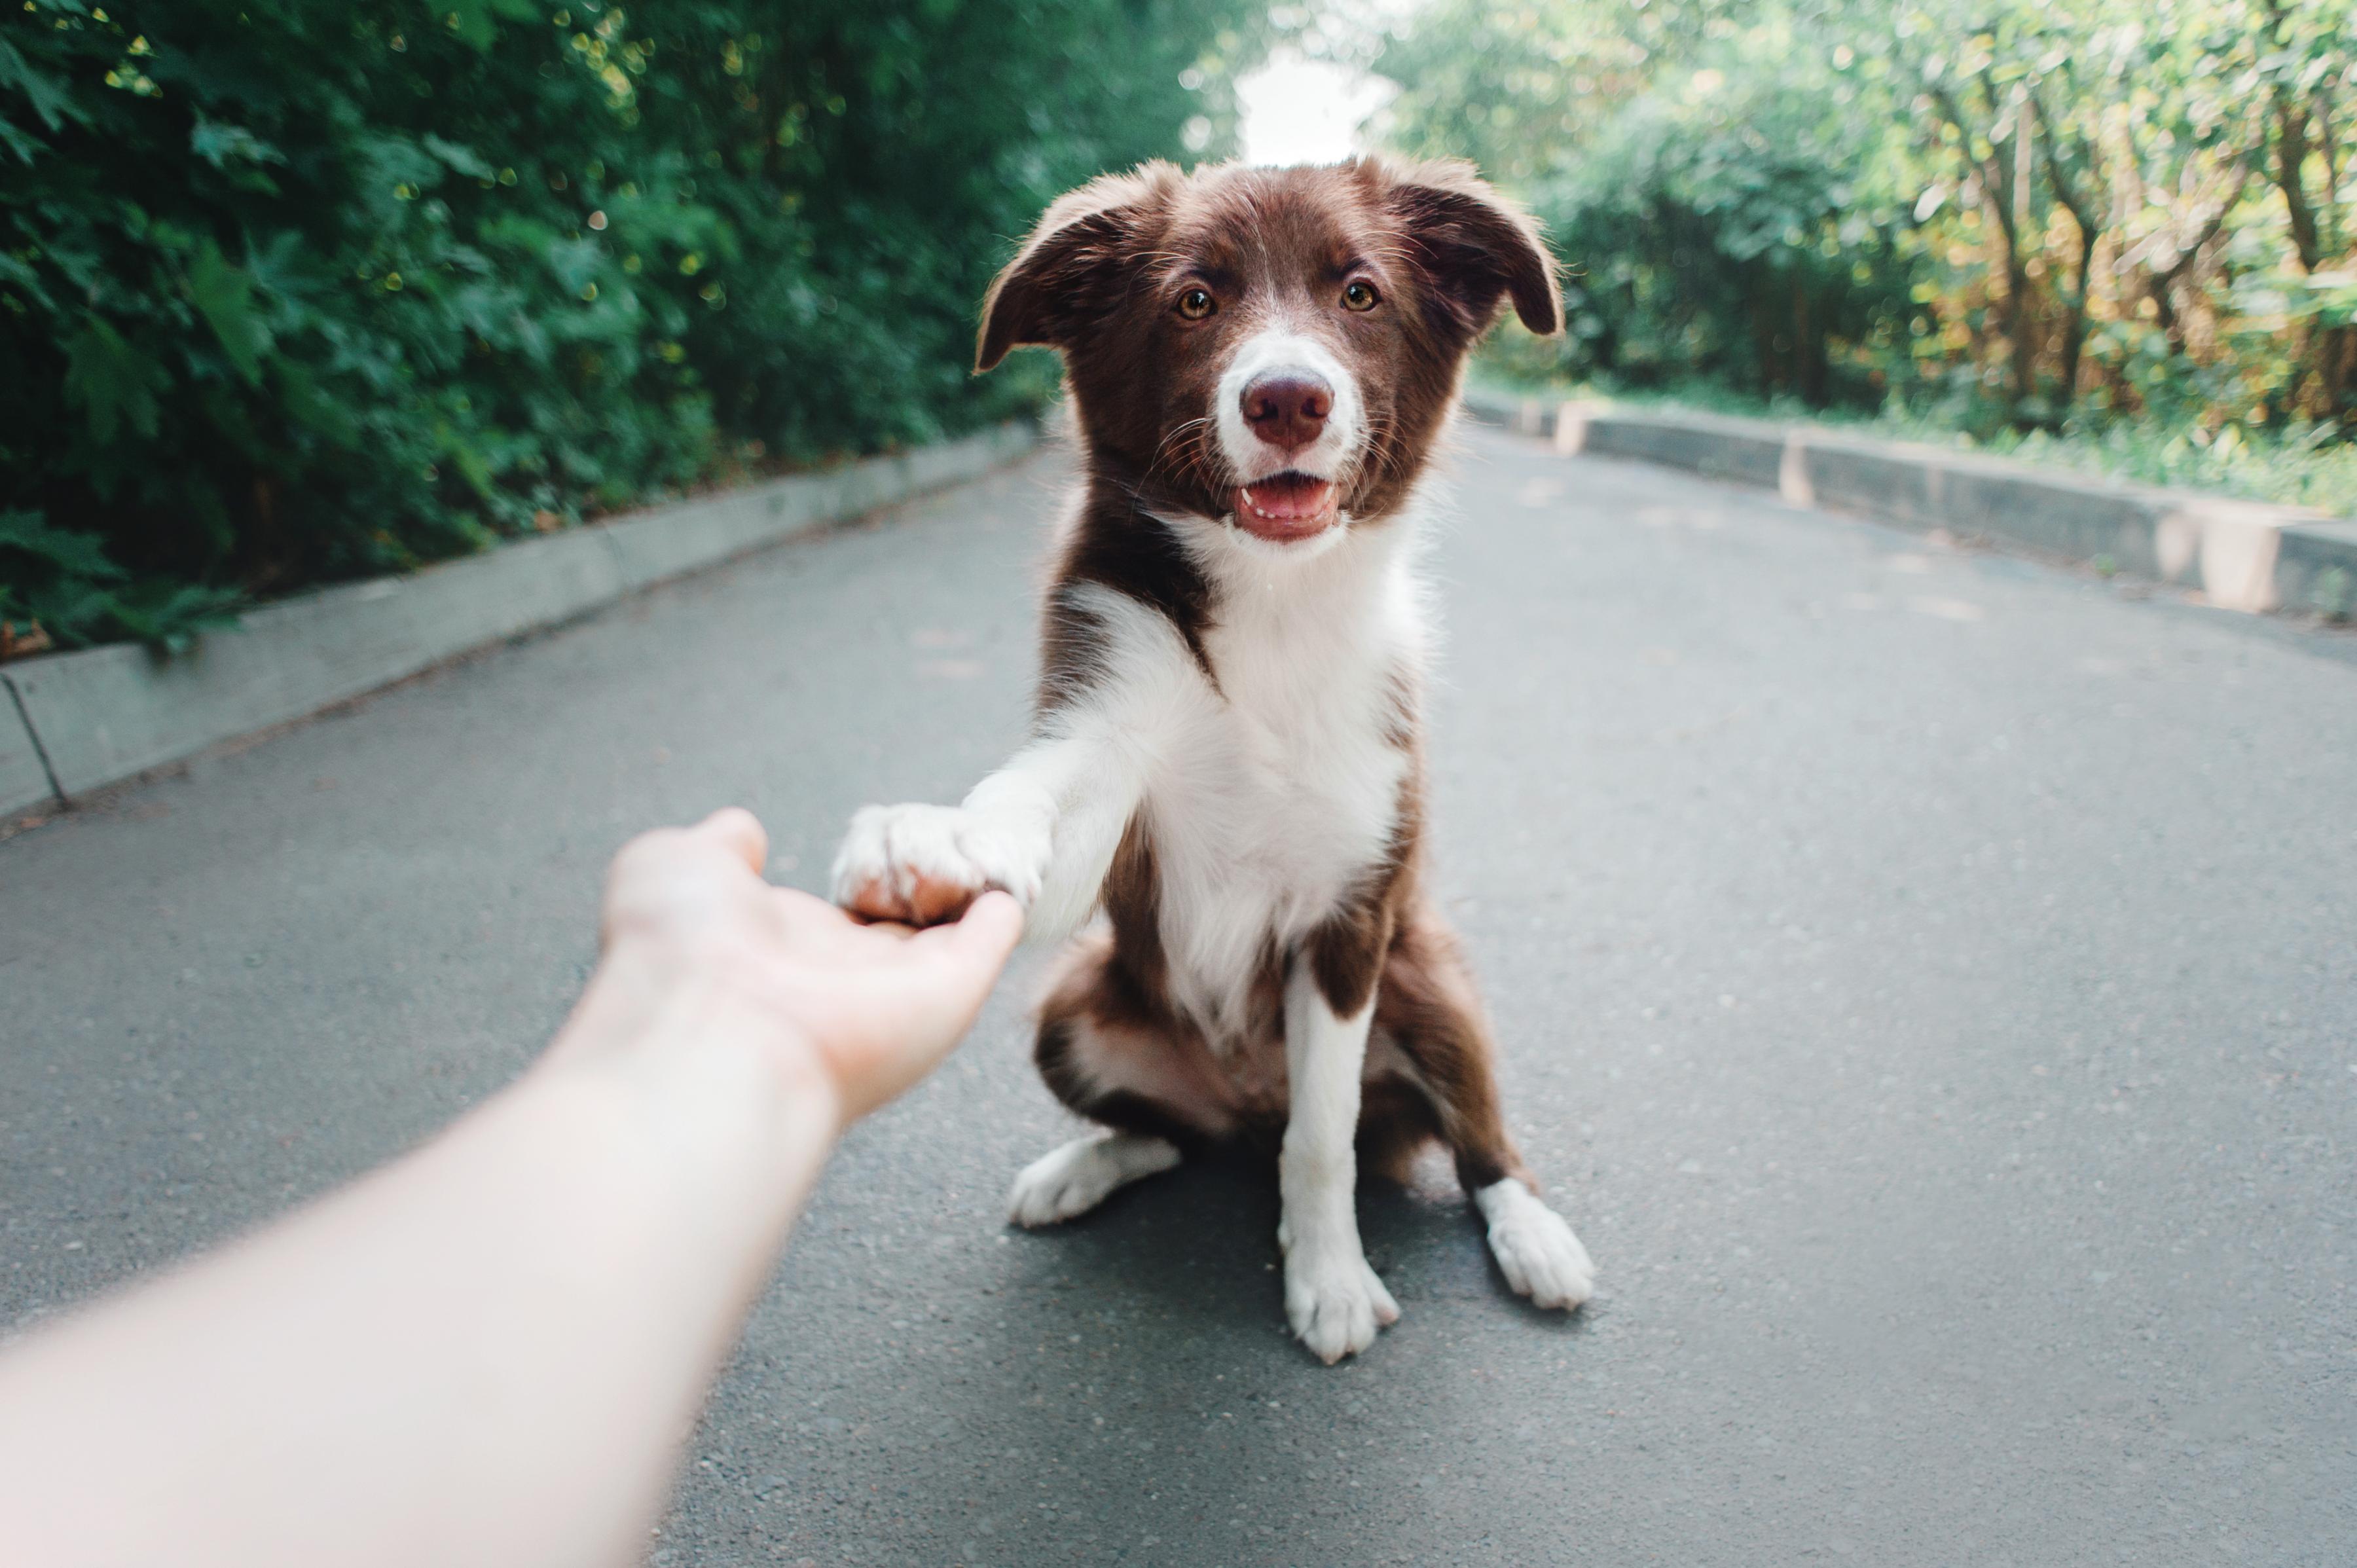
x=218, y=145
x=18, y=143
x=74, y=554
x=224, y=293
x=463, y=159
x=476, y=21
x=312, y=409
x=467, y=461
x=14, y=274
x=111, y=381
x=171, y=615
x=50, y=101
x=472, y=20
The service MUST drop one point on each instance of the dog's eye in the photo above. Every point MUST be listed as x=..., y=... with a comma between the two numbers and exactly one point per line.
x=1360, y=295
x=1196, y=304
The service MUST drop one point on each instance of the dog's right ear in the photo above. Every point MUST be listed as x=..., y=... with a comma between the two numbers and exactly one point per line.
x=1075, y=267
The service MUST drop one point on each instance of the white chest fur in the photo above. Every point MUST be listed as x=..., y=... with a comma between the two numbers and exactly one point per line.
x=1277, y=792
x=1270, y=786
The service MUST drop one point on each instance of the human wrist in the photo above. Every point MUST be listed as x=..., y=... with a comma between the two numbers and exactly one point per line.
x=665, y=1022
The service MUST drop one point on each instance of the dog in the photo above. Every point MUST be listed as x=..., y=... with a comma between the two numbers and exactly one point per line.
x=1226, y=756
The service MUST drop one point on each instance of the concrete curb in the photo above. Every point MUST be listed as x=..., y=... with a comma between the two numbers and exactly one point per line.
x=2245, y=556
x=72, y=723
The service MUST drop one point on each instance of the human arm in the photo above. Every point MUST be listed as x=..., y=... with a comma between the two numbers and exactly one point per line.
x=486, y=1352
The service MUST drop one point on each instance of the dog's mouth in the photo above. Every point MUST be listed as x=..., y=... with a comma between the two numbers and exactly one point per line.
x=1286, y=507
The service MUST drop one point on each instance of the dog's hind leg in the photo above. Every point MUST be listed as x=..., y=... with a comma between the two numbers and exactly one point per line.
x=1427, y=1009
x=1148, y=1080
x=1073, y=1179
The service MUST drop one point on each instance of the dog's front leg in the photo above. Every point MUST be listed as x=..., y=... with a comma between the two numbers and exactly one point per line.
x=1043, y=828
x=1333, y=1298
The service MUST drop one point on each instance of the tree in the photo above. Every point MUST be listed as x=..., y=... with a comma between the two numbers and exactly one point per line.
x=2029, y=212
x=294, y=290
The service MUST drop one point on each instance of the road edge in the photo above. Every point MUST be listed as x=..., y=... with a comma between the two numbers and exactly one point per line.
x=78, y=721
x=2241, y=555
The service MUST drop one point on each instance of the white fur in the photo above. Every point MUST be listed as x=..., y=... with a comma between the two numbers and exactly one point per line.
x=1282, y=787
x=1268, y=791
x=896, y=846
x=1535, y=1248
x=1044, y=827
x=1267, y=796
x=1274, y=352
x=1333, y=1298
x=1082, y=1173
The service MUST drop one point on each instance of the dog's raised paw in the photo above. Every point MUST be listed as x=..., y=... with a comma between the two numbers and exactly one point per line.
x=924, y=864
x=1535, y=1248
x=1336, y=1303
x=1065, y=1183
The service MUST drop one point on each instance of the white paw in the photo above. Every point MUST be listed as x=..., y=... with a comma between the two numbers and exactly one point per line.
x=924, y=864
x=1334, y=1302
x=1082, y=1173
x=1535, y=1250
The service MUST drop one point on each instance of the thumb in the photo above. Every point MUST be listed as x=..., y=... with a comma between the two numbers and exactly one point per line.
x=740, y=832
x=974, y=951
x=986, y=936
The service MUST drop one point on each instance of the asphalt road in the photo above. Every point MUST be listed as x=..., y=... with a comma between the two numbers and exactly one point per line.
x=1928, y=981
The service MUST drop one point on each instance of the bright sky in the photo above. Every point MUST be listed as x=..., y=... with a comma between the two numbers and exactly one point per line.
x=1299, y=110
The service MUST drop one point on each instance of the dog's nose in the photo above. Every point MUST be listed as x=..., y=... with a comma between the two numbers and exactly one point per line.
x=1288, y=409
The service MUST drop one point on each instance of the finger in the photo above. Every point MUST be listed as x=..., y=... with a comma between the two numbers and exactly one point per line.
x=994, y=924
x=978, y=946
x=740, y=832
x=807, y=918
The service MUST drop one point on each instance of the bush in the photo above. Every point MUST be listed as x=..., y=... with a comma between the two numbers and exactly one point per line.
x=2008, y=216
x=1715, y=235
x=294, y=290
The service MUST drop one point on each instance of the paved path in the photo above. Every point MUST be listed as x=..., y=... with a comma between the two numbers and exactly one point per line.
x=1928, y=982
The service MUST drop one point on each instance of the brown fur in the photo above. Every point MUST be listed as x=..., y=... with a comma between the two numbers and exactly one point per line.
x=1097, y=276
x=1430, y=1073
x=1097, y=280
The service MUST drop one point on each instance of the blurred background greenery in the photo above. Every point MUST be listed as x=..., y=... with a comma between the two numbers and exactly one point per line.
x=2115, y=232
x=296, y=291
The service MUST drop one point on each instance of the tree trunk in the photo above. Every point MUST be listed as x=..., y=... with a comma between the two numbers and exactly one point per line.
x=2079, y=201
x=2335, y=367
x=2074, y=326
x=2291, y=178
x=1999, y=198
x=2331, y=352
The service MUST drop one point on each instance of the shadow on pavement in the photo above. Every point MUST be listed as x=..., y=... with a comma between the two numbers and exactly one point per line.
x=1200, y=1241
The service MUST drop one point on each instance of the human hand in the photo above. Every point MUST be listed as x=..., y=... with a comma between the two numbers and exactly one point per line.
x=874, y=1008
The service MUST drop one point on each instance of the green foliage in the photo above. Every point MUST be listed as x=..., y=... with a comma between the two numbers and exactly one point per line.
x=2001, y=215
x=1718, y=218
x=2305, y=465
x=1715, y=235
x=294, y=290
x=60, y=586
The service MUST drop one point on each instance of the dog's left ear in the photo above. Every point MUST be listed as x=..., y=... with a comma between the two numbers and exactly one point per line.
x=1473, y=245
x=1075, y=267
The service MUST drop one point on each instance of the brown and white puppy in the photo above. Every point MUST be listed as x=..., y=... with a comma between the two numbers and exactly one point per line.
x=1225, y=755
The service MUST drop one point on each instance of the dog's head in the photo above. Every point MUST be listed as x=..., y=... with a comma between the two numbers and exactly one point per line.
x=1271, y=348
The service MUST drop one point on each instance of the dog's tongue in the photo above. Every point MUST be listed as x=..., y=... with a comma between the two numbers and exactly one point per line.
x=1287, y=506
